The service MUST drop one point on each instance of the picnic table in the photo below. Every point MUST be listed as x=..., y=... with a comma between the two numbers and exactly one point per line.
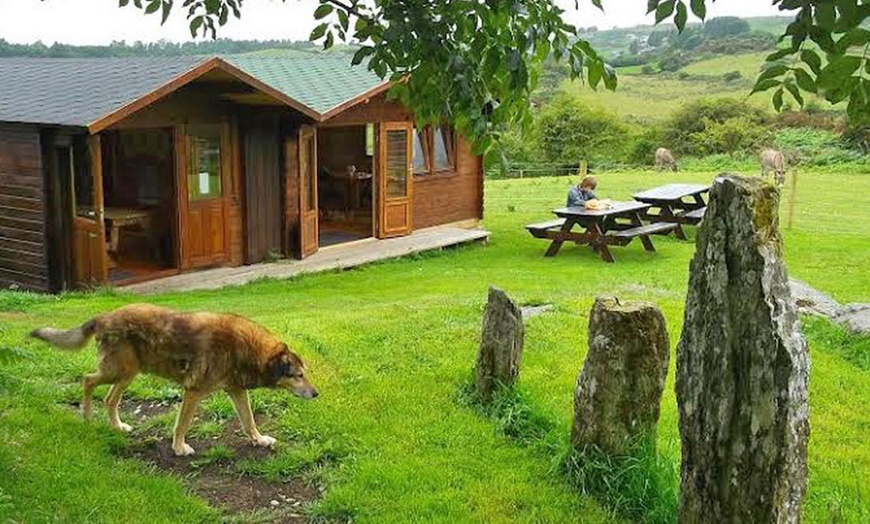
x=677, y=203
x=616, y=226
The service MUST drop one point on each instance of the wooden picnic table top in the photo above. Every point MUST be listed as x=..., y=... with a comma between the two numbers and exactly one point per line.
x=617, y=208
x=671, y=192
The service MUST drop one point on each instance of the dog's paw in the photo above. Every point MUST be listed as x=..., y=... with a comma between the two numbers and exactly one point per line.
x=265, y=441
x=124, y=428
x=184, y=450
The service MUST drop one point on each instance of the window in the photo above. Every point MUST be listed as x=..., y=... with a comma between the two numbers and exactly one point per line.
x=434, y=150
x=204, y=165
x=370, y=140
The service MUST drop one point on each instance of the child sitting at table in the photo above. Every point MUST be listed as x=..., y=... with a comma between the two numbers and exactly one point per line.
x=583, y=192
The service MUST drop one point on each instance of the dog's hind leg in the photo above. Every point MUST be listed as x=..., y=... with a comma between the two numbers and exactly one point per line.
x=185, y=414
x=89, y=382
x=112, y=401
x=242, y=404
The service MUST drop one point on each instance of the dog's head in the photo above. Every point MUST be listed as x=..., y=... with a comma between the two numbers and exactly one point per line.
x=288, y=372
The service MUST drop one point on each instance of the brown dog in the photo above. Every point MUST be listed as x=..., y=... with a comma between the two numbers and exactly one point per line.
x=202, y=352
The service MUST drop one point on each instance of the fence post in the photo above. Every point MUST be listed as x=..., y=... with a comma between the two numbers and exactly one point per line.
x=584, y=169
x=792, y=197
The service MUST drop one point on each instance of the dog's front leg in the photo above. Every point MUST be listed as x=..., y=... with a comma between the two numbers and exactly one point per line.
x=242, y=403
x=185, y=414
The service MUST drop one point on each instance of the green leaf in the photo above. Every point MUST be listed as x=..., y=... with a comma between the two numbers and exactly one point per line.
x=361, y=54
x=195, y=24
x=764, y=85
x=224, y=15
x=838, y=71
x=773, y=71
x=123, y=3
x=664, y=10
x=826, y=15
x=651, y=5
x=855, y=37
x=343, y=20
x=152, y=7
x=795, y=92
x=812, y=59
x=330, y=40
x=699, y=7
x=805, y=81
x=167, y=8
x=777, y=99
x=322, y=11
x=682, y=16
x=318, y=32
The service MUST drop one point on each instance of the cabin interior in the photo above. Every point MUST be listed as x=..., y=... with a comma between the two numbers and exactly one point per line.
x=345, y=176
x=139, y=202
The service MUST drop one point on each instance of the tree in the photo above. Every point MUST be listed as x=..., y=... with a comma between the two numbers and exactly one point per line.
x=476, y=62
x=726, y=26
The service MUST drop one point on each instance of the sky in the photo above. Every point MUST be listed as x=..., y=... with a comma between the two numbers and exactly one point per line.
x=94, y=22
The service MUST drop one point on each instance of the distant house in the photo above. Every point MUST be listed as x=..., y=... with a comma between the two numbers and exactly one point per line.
x=119, y=170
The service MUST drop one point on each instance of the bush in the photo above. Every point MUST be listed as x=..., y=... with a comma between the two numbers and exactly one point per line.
x=567, y=131
x=732, y=76
x=647, y=70
x=714, y=126
x=816, y=147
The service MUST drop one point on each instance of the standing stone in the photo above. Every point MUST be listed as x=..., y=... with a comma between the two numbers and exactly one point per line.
x=742, y=367
x=619, y=391
x=501, y=345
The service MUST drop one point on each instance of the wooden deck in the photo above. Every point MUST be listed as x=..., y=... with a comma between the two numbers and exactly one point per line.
x=342, y=256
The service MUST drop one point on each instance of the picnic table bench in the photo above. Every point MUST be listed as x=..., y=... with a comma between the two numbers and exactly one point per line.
x=675, y=203
x=616, y=226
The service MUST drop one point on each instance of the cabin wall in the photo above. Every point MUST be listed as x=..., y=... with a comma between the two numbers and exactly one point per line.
x=438, y=199
x=23, y=249
x=454, y=197
x=291, y=192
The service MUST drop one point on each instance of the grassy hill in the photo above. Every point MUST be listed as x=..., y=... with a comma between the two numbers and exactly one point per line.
x=645, y=98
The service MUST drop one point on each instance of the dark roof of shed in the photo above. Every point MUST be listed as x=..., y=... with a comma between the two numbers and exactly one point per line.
x=80, y=91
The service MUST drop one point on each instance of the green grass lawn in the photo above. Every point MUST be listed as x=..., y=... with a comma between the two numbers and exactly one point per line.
x=390, y=345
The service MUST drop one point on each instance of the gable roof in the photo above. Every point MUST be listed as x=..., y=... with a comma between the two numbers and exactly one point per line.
x=88, y=92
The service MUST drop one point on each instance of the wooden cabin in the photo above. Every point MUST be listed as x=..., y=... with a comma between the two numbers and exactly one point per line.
x=119, y=170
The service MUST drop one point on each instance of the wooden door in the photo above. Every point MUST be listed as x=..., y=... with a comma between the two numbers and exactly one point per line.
x=263, y=215
x=89, y=230
x=202, y=194
x=309, y=228
x=395, y=183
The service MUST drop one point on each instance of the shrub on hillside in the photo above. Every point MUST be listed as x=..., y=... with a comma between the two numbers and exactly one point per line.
x=816, y=147
x=725, y=26
x=732, y=76
x=567, y=131
x=718, y=125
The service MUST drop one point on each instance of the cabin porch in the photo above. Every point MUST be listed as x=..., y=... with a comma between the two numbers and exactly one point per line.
x=341, y=256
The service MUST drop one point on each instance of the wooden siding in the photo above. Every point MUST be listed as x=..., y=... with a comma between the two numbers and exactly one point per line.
x=444, y=199
x=262, y=173
x=23, y=260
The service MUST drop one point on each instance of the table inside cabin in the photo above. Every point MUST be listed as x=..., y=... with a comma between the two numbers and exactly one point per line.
x=616, y=226
x=117, y=218
x=677, y=203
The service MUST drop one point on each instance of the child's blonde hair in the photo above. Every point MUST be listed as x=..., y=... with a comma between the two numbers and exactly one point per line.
x=589, y=181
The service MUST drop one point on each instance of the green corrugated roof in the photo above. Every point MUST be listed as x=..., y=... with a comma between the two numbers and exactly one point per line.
x=319, y=81
x=79, y=92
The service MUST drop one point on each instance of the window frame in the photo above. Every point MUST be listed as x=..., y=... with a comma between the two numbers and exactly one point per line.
x=427, y=138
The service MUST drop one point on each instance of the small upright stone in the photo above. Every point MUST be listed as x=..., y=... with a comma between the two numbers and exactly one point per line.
x=619, y=392
x=501, y=345
x=742, y=367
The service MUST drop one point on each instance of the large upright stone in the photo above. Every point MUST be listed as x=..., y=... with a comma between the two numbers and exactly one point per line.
x=742, y=367
x=619, y=391
x=501, y=345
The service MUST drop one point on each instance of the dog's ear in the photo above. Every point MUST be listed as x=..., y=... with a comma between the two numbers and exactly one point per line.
x=282, y=364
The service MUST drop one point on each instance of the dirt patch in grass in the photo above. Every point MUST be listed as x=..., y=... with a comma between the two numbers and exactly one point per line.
x=212, y=473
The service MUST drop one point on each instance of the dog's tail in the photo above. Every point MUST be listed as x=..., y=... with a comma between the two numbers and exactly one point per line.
x=70, y=339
